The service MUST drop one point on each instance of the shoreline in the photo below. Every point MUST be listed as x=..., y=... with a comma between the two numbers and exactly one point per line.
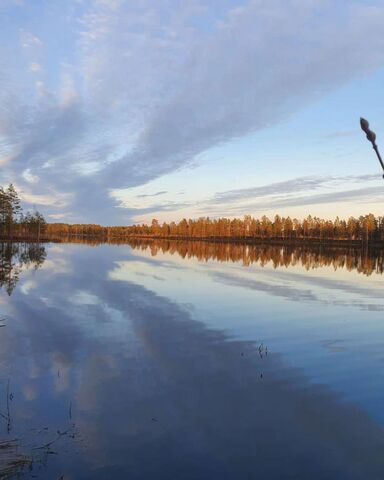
x=293, y=242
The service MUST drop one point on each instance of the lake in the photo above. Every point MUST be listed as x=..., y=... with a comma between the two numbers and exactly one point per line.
x=191, y=360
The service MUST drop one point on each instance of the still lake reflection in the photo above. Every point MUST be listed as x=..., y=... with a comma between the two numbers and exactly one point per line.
x=177, y=360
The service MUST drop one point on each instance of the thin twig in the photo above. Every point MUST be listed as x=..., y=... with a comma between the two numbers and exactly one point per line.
x=48, y=444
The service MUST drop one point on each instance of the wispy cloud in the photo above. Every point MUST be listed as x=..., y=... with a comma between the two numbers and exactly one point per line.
x=296, y=192
x=340, y=134
x=288, y=186
x=292, y=186
x=157, y=194
x=368, y=194
x=303, y=192
x=136, y=211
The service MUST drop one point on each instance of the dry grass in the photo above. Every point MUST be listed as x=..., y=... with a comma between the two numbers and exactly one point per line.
x=11, y=461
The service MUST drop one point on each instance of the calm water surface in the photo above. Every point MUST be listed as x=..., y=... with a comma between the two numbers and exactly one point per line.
x=192, y=361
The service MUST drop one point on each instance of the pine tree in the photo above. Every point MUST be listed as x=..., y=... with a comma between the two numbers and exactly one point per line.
x=12, y=208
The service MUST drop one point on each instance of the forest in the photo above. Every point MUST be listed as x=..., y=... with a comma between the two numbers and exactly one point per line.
x=365, y=229
x=14, y=224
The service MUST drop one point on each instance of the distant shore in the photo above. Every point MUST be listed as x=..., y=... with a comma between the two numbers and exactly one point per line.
x=355, y=232
x=270, y=241
x=295, y=242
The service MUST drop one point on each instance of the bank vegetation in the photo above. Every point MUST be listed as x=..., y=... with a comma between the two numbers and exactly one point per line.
x=364, y=229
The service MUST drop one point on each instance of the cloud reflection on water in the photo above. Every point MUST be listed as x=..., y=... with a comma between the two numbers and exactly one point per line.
x=158, y=394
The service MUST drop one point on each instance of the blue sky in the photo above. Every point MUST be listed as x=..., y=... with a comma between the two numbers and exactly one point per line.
x=119, y=111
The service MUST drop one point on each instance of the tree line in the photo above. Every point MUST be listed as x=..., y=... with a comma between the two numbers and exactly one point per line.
x=14, y=223
x=367, y=228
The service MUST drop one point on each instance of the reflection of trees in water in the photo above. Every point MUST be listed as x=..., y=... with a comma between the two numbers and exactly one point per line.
x=363, y=261
x=16, y=256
